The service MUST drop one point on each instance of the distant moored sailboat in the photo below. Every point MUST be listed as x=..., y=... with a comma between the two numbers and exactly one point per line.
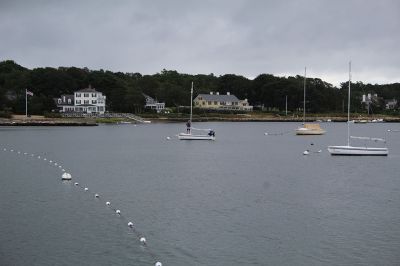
x=308, y=129
x=352, y=150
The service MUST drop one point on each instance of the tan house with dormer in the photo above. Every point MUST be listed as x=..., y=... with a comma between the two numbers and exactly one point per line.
x=221, y=102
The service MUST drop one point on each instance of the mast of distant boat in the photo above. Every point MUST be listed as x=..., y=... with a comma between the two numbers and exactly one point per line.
x=304, y=102
x=286, y=106
x=191, y=107
x=348, y=108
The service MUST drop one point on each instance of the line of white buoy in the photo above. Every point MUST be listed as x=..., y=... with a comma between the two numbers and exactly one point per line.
x=276, y=134
x=67, y=177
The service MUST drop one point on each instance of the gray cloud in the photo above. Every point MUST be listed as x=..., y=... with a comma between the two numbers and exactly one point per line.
x=240, y=37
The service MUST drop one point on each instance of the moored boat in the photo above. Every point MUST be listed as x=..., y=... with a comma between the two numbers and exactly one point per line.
x=310, y=129
x=354, y=150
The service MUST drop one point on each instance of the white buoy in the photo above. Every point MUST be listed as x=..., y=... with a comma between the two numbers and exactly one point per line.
x=108, y=203
x=168, y=138
x=143, y=240
x=158, y=264
x=50, y=161
x=130, y=224
x=319, y=151
x=266, y=133
x=18, y=152
x=306, y=152
x=76, y=184
x=86, y=189
x=38, y=157
x=44, y=159
x=11, y=150
x=25, y=153
x=55, y=164
x=118, y=212
x=96, y=195
x=66, y=176
x=63, y=170
x=389, y=130
x=59, y=166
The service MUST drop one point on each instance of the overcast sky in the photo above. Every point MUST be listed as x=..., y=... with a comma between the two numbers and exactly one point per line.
x=202, y=36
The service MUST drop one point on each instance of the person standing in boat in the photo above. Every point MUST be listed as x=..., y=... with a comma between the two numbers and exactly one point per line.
x=188, y=126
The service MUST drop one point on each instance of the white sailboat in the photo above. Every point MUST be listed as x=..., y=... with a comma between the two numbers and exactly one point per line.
x=352, y=150
x=308, y=129
x=189, y=135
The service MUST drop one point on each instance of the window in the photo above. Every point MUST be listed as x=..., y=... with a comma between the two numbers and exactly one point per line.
x=215, y=103
x=86, y=95
x=209, y=102
x=59, y=101
x=94, y=102
x=93, y=94
x=78, y=95
x=78, y=102
x=69, y=101
x=86, y=101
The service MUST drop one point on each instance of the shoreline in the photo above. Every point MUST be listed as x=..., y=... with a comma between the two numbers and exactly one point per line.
x=18, y=120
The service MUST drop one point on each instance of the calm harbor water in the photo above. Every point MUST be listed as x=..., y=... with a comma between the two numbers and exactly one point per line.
x=245, y=199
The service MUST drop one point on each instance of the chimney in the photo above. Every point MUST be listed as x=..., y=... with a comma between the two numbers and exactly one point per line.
x=217, y=93
x=211, y=93
x=228, y=93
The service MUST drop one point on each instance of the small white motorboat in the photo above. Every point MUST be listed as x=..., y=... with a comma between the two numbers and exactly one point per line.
x=189, y=136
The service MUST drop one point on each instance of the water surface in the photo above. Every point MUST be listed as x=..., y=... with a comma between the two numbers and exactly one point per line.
x=245, y=199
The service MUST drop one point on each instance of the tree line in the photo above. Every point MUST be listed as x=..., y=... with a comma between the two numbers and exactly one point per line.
x=124, y=91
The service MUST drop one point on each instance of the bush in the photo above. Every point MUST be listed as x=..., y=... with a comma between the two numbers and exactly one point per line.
x=5, y=114
x=52, y=115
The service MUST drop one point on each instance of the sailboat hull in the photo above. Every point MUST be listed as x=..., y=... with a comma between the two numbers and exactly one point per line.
x=357, y=151
x=306, y=131
x=184, y=136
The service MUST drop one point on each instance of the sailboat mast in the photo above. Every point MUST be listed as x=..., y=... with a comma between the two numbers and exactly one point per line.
x=348, y=108
x=191, y=102
x=304, y=102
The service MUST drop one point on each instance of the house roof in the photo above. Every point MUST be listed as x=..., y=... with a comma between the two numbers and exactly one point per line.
x=219, y=98
x=87, y=90
x=150, y=100
x=64, y=100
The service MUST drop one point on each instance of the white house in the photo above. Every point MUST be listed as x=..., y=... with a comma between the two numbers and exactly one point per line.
x=391, y=104
x=153, y=104
x=87, y=101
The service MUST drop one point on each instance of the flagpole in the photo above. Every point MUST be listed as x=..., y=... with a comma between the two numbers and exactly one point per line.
x=26, y=103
